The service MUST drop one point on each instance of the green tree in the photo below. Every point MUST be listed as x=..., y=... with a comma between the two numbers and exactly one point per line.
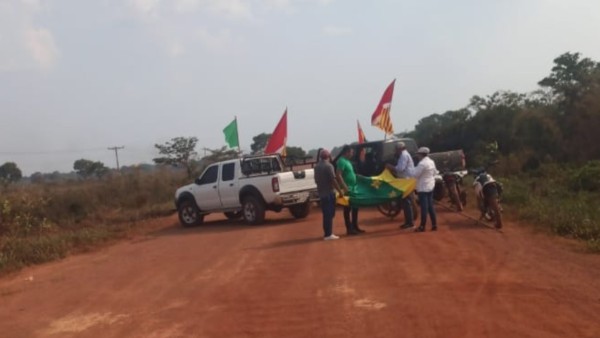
x=37, y=177
x=571, y=78
x=86, y=168
x=259, y=142
x=180, y=151
x=295, y=152
x=9, y=173
x=575, y=85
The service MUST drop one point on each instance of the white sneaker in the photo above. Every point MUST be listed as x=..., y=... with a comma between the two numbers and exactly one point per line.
x=329, y=238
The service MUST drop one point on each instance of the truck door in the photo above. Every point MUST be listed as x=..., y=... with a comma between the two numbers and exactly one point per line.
x=228, y=186
x=207, y=192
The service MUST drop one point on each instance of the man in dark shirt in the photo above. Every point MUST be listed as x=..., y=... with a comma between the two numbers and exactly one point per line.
x=326, y=183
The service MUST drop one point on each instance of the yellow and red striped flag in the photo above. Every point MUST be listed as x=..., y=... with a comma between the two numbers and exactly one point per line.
x=381, y=116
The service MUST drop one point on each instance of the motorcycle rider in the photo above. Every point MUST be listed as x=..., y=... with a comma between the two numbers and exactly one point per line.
x=404, y=169
x=487, y=191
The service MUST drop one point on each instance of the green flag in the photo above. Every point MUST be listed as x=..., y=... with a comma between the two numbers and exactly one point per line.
x=376, y=190
x=231, y=134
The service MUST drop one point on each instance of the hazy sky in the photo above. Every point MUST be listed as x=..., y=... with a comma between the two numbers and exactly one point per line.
x=78, y=76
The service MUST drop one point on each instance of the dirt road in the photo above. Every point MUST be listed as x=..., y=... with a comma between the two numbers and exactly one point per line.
x=281, y=280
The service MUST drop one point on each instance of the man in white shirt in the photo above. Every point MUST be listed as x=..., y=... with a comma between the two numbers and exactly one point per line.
x=425, y=173
x=404, y=168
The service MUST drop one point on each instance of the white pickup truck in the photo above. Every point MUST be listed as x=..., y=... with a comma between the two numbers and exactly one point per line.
x=246, y=187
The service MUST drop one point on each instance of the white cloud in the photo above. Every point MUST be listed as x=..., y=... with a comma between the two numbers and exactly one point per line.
x=214, y=41
x=336, y=31
x=186, y=6
x=176, y=49
x=41, y=44
x=145, y=9
x=24, y=45
x=233, y=9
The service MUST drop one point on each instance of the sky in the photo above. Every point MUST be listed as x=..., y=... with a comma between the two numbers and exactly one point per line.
x=80, y=76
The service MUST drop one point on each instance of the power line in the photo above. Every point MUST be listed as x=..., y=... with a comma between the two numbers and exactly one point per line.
x=44, y=152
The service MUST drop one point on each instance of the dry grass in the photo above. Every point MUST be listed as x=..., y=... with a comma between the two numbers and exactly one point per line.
x=43, y=222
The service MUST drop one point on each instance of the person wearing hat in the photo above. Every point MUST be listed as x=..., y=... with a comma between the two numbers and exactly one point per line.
x=403, y=169
x=425, y=174
x=326, y=183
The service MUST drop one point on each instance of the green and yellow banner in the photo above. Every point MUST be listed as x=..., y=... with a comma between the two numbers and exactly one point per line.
x=377, y=190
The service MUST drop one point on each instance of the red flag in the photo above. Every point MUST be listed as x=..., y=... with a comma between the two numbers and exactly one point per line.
x=361, y=134
x=381, y=116
x=278, y=139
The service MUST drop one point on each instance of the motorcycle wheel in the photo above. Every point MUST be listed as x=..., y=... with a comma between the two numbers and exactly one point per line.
x=454, y=198
x=494, y=207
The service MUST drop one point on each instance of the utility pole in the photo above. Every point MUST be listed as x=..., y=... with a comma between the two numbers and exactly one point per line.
x=116, y=149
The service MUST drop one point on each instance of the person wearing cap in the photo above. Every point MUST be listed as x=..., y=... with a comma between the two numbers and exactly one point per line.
x=425, y=174
x=403, y=169
x=326, y=183
x=347, y=180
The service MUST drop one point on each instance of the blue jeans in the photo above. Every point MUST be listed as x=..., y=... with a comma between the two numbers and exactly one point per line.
x=426, y=201
x=328, y=208
x=408, y=212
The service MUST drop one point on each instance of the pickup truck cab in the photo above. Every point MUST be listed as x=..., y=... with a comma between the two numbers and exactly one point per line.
x=246, y=187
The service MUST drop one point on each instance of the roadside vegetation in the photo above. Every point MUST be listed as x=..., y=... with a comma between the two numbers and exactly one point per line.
x=559, y=198
x=45, y=221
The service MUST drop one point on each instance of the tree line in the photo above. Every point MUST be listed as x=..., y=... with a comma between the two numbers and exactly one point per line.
x=559, y=122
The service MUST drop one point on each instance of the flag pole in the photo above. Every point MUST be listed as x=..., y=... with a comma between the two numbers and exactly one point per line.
x=238, y=135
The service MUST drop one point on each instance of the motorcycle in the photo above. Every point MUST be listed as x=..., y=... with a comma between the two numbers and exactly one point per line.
x=453, y=182
x=489, y=193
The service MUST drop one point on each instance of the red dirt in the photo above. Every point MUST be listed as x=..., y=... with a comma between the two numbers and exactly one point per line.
x=225, y=279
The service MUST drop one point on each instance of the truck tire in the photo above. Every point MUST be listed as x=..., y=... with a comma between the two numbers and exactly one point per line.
x=253, y=210
x=233, y=214
x=300, y=210
x=189, y=214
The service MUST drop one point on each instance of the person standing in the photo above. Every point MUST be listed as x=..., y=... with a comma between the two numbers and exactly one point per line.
x=425, y=174
x=347, y=180
x=404, y=168
x=326, y=183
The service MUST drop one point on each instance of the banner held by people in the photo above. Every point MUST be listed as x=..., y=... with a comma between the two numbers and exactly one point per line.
x=377, y=190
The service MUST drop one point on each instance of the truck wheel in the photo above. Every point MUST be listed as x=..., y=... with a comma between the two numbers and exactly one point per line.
x=233, y=214
x=253, y=210
x=189, y=214
x=300, y=210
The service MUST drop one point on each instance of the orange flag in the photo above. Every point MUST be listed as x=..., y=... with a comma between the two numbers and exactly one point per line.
x=381, y=116
x=278, y=139
x=361, y=134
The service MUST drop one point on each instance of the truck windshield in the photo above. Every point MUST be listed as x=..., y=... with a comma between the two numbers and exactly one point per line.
x=210, y=175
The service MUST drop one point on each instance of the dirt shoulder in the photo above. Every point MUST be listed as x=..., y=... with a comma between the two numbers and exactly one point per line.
x=281, y=279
